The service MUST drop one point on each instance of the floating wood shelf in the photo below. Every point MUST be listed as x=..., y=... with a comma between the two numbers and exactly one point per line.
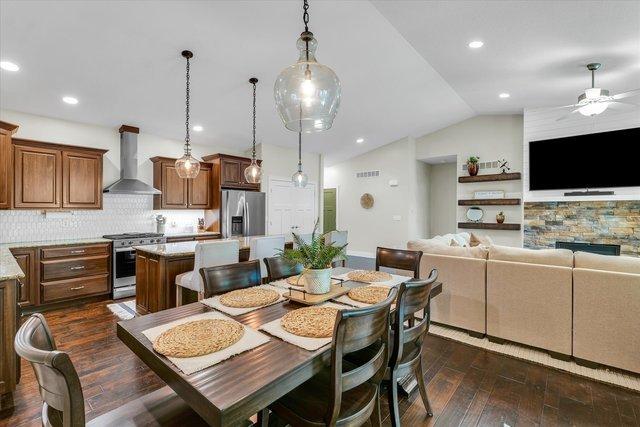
x=488, y=202
x=488, y=226
x=492, y=177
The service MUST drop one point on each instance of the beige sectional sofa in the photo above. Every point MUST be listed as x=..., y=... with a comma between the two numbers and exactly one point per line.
x=582, y=305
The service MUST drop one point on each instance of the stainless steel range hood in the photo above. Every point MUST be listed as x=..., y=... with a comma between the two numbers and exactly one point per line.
x=128, y=182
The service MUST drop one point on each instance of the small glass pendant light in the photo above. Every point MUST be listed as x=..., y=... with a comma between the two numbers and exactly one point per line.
x=253, y=172
x=307, y=93
x=300, y=178
x=187, y=166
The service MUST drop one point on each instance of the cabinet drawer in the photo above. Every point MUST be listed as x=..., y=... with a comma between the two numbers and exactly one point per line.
x=68, y=268
x=74, y=288
x=75, y=251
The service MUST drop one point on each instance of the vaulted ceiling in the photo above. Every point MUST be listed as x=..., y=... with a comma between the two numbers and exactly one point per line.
x=404, y=66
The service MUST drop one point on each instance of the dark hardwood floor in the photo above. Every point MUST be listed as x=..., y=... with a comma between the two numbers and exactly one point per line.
x=466, y=385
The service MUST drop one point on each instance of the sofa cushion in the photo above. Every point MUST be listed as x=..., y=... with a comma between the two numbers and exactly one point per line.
x=620, y=264
x=559, y=257
x=429, y=246
x=475, y=240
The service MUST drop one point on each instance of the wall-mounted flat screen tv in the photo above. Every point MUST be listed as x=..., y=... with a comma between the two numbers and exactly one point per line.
x=595, y=160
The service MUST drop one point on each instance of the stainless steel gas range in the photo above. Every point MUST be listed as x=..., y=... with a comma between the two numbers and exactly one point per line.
x=124, y=260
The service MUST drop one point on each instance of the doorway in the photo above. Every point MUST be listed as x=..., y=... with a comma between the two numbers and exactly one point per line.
x=329, y=212
x=443, y=179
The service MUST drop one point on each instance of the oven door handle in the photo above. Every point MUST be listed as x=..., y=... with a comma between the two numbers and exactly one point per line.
x=129, y=249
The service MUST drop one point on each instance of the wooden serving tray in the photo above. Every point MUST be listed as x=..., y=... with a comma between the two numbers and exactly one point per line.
x=303, y=297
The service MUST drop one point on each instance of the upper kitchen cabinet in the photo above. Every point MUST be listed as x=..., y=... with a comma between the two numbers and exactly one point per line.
x=53, y=176
x=181, y=193
x=6, y=164
x=228, y=171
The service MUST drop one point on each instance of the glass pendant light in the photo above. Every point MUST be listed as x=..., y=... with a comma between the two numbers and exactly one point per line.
x=299, y=178
x=187, y=166
x=253, y=173
x=307, y=93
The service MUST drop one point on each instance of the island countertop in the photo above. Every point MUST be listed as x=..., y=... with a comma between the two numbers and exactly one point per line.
x=179, y=249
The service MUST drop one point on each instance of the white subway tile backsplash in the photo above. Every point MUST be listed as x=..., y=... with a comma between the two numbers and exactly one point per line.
x=121, y=213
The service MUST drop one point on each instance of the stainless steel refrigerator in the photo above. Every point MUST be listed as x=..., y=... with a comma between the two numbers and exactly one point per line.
x=242, y=213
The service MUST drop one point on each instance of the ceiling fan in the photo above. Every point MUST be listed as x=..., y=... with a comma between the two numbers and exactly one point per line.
x=596, y=100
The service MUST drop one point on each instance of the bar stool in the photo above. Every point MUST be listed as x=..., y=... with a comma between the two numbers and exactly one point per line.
x=263, y=247
x=336, y=238
x=207, y=254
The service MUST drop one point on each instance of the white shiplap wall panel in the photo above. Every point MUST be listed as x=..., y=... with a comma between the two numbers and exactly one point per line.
x=541, y=124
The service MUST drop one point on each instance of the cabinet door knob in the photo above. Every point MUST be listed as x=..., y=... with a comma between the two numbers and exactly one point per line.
x=76, y=288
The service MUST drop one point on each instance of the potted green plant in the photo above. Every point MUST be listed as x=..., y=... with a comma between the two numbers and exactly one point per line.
x=472, y=165
x=316, y=257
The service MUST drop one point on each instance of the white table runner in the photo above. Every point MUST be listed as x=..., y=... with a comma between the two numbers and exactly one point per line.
x=251, y=339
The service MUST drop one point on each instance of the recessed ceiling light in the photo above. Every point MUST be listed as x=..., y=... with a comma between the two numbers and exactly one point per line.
x=504, y=95
x=475, y=44
x=198, y=128
x=9, y=66
x=360, y=140
x=70, y=100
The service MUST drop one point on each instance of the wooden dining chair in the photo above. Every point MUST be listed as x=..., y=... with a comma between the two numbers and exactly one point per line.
x=400, y=259
x=410, y=325
x=225, y=278
x=61, y=392
x=344, y=393
x=279, y=268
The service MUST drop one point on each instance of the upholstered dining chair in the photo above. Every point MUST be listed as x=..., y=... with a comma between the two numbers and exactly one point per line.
x=279, y=268
x=61, y=392
x=262, y=247
x=336, y=238
x=342, y=393
x=226, y=278
x=207, y=254
x=399, y=259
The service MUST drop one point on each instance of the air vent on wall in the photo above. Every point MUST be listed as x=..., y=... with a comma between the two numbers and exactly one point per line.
x=367, y=174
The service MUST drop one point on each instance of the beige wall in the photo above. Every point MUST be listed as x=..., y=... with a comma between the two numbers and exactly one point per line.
x=442, y=199
x=491, y=138
x=65, y=132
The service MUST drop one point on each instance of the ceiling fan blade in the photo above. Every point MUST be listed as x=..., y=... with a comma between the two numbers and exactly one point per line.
x=629, y=94
x=566, y=116
x=560, y=108
x=623, y=105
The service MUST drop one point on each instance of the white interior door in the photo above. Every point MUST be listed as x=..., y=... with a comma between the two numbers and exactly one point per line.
x=290, y=208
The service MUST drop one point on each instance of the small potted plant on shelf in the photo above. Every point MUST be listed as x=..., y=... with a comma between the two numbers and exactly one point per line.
x=472, y=165
x=316, y=257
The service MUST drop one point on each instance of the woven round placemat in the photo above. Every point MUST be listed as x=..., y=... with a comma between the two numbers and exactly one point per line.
x=369, y=276
x=369, y=294
x=293, y=280
x=250, y=297
x=198, y=338
x=313, y=322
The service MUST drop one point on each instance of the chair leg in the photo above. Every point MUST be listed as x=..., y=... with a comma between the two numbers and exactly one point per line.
x=392, y=397
x=263, y=418
x=178, y=295
x=376, y=420
x=423, y=389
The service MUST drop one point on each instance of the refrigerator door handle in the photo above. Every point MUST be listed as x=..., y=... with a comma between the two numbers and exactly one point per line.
x=246, y=228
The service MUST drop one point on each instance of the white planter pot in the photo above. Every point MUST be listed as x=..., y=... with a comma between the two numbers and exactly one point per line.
x=317, y=281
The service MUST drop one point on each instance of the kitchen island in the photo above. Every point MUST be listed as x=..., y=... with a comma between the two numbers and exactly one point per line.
x=158, y=265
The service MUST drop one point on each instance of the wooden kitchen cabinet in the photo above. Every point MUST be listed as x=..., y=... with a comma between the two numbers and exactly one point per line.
x=6, y=164
x=181, y=193
x=54, y=176
x=27, y=286
x=228, y=171
x=9, y=372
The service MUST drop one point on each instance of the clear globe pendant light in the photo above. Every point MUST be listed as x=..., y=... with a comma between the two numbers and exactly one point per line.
x=299, y=178
x=187, y=166
x=307, y=93
x=253, y=172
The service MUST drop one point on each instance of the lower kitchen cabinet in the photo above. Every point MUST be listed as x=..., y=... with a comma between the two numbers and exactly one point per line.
x=27, y=286
x=8, y=326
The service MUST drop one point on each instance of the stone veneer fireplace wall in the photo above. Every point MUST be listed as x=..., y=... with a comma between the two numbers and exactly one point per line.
x=612, y=222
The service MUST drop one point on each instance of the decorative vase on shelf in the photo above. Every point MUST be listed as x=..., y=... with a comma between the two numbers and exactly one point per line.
x=317, y=281
x=472, y=165
x=500, y=217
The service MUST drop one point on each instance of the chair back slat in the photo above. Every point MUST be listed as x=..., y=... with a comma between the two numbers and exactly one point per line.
x=400, y=259
x=354, y=330
x=225, y=278
x=413, y=297
x=279, y=268
x=57, y=378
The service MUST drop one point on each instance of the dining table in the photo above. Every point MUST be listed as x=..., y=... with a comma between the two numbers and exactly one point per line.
x=230, y=392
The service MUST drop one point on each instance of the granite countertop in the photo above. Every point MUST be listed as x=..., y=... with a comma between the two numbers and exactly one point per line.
x=186, y=248
x=9, y=268
x=192, y=233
